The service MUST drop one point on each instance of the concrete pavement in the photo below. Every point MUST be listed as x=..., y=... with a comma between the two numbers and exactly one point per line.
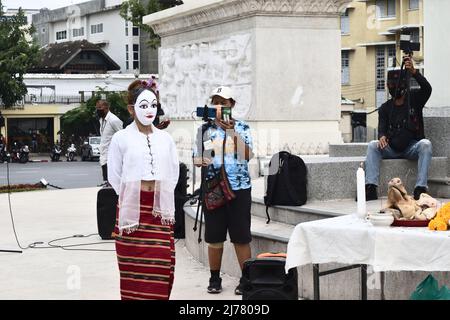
x=56, y=274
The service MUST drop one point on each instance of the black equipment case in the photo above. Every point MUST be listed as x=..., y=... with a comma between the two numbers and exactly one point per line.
x=264, y=278
x=106, y=212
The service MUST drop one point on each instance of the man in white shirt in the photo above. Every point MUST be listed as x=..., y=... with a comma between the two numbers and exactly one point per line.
x=109, y=125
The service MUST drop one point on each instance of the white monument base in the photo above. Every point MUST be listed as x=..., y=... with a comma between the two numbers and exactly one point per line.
x=281, y=58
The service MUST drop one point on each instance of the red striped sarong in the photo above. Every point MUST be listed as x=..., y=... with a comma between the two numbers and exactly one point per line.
x=146, y=256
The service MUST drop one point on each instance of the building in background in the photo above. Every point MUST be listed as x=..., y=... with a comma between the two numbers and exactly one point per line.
x=28, y=16
x=28, y=13
x=74, y=57
x=99, y=22
x=49, y=97
x=370, y=31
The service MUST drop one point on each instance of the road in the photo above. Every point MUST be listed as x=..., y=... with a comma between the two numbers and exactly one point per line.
x=67, y=175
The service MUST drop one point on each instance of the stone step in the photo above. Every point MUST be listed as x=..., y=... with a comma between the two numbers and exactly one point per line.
x=437, y=129
x=295, y=215
x=439, y=187
x=316, y=210
x=348, y=150
x=331, y=178
x=271, y=237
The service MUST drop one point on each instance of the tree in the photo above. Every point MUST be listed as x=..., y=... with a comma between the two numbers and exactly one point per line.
x=17, y=55
x=135, y=10
x=81, y=121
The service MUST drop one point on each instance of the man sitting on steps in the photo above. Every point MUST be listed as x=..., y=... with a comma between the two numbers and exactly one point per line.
x=401, y=132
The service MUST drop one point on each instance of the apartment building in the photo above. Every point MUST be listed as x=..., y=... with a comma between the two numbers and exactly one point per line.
x=99, y=22
x=370, y=32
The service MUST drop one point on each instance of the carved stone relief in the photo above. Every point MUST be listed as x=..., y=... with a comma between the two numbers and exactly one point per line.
x=190, y=72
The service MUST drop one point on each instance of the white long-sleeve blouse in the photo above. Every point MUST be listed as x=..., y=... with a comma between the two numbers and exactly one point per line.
x=133, y=157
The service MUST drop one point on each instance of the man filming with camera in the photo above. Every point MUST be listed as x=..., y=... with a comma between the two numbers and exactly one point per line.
x=401, y=130
x=223, y=149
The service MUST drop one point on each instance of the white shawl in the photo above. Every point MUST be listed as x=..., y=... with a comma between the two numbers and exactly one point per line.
x=125, y=172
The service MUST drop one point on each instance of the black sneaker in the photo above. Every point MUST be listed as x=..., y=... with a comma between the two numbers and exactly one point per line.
x=239, y=289
x=371, y=192
x=418, y=191
x=215, y=285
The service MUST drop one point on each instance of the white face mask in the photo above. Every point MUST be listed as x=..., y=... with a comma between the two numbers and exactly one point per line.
x=146, y=107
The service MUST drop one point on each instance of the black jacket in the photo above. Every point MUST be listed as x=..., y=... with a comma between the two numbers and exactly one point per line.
x=418, y=100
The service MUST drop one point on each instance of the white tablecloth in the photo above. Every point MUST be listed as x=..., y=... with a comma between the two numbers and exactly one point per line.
x=350, y=240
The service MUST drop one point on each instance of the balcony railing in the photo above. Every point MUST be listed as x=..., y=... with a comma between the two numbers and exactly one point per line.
x=33, y=99
x=53, y=99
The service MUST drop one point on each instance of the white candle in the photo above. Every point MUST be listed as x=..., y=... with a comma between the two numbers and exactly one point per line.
x=361, y=193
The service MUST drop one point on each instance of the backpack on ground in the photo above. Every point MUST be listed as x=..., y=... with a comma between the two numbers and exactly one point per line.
x=286, y=181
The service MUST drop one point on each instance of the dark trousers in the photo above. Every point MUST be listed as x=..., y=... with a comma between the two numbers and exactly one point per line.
x=105, y=172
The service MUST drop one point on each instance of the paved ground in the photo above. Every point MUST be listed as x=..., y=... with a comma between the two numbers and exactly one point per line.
x=76, y=275
x=62, y=174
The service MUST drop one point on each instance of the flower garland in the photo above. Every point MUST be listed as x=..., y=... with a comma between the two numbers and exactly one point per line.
x=442, y=220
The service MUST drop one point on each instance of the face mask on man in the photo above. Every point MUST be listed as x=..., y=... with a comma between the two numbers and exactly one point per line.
x=146, y=107
x=100, y=113
x=396, y=94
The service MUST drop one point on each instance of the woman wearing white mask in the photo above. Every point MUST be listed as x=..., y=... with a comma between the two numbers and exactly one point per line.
x=143, y=169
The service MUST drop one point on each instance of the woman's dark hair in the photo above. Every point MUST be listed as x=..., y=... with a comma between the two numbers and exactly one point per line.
x=136, y=88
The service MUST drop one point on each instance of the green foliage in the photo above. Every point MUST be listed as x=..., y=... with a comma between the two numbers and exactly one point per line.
x=135, y=10
x=82, y=122
x=17, y=55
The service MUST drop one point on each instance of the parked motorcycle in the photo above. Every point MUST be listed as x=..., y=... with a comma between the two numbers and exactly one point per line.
x=24, y=154
x=5, y=156
x=71, y=152
x=56, y=153
x=15, y=152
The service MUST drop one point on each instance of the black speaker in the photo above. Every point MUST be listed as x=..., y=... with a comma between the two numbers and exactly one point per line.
x=265, y=279
x=106, y=212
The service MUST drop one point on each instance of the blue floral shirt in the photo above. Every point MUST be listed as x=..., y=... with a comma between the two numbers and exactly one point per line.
x=235, y=167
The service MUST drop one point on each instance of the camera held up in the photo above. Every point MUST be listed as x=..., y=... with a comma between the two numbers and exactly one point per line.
x=406, y=44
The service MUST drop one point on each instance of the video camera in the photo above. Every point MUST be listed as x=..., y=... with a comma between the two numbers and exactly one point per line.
x=211, y=112
x=206, y=112
x=406, y=44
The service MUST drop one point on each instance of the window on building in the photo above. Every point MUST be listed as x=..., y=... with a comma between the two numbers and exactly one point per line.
x=61, y=35
x=135, y=56
x=135, y=31
x=413, y=4
x=391, y=8
x=78, y=32
x=392, y=56
x=345, y=23
x=383, y=55
x=126, y=28
x=345, y=68
x=386, y=8
x=127, y=57
x=97, y=28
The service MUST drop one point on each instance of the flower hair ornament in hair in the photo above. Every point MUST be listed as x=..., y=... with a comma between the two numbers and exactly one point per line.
x=150, y=83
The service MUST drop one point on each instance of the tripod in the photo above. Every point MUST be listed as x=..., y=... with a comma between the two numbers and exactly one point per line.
x=200, y=207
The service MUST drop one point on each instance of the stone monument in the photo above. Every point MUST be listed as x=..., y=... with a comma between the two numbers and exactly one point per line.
x=437, y=71
x=281, y=58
